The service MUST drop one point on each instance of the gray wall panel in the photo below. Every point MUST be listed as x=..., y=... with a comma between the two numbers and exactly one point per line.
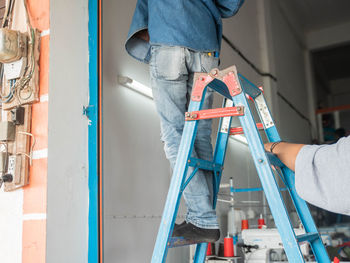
x=67, y=200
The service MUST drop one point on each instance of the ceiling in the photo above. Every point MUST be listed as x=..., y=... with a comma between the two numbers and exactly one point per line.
x=316, y=14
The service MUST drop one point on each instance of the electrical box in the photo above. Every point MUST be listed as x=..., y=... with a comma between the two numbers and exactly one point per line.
x=21, y=76
x=7, y=131
x=15, y=70
x=13, y=45
x=17, y=115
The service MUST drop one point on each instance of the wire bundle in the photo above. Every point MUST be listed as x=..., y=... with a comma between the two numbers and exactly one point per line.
x=20, y=86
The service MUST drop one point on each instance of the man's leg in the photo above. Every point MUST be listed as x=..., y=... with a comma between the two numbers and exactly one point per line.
x=203, y=149
x=169, y=78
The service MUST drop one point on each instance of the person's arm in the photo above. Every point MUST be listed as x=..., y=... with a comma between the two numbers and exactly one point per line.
x=286, y=152
x=322, y=172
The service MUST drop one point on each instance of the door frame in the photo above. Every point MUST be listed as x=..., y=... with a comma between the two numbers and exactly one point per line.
x=94, y=113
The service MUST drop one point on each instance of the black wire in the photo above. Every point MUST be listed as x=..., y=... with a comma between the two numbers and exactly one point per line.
x=256, y=69
x=9, y=11
x=294, y=108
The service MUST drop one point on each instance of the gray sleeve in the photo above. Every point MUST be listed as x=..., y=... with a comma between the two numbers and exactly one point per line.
x=322, y=175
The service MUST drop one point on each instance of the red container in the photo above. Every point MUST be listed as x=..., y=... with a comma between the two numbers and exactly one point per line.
x=209, y=250
x=245, y=224
x=261, y=223
x=228, y=247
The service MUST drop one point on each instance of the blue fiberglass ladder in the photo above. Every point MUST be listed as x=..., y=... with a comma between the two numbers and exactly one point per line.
x=235, y=88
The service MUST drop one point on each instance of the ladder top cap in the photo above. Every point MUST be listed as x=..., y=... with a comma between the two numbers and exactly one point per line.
x=215, y=73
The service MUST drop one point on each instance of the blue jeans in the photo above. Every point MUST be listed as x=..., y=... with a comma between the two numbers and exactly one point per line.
x=172, y=70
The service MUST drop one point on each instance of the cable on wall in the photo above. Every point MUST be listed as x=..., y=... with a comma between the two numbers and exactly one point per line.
x=251, y=64
x=294, y=108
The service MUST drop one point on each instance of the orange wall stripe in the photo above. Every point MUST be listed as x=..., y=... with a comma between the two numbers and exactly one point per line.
x=44, y=65
x=35, y=194
x=40, y=124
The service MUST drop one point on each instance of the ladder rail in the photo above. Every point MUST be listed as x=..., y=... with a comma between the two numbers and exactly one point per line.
x=305, y=216
x=178, y=178
x=268, y=182
x=301, y=206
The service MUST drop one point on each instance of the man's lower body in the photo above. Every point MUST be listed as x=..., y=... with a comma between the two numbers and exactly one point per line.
x=172, y=70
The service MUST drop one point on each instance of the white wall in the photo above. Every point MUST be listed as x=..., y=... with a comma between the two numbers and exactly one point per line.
x=11, y=220
x=136, y=173
x=67, y=201
x=290, y=72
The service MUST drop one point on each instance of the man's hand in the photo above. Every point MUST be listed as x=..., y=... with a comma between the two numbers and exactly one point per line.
x=286, y=152
x=267, y=146
x=143, y=34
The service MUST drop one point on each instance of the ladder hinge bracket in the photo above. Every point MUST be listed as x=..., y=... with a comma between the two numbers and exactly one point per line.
x=232, y=83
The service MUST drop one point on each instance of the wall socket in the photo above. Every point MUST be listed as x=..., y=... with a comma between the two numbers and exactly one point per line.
x=14, y=169
x=12, y=165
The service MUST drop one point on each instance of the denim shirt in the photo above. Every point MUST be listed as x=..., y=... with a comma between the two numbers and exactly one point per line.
x=194, y=24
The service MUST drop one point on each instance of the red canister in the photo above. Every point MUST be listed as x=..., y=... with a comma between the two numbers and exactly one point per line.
x=245, y=224
x=228, y=247
x=261, y=222
x=209, y=250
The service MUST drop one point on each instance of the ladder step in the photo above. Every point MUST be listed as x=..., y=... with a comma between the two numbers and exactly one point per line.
x=180, y=242
x=214, y=113
x=239, y=130
x=274, y=160
x=204, y=165
x=307, y=237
